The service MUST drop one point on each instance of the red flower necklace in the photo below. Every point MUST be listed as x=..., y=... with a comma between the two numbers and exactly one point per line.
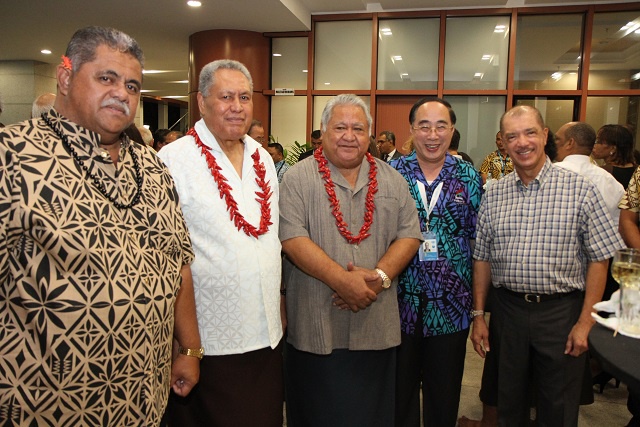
x=224, y=188
x=370, y=204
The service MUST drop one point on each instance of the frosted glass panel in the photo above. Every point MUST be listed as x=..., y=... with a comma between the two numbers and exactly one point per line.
x=617, y=110
x=478, y=120
x=615, y=46
x=476, y=53
x=408, y=53
x=548, y=50
x=289, y=70
x=555, y=112
x=289, y=119
x=343, y=55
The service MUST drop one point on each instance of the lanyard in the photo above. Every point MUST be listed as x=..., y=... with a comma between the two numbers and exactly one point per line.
x=434, y=199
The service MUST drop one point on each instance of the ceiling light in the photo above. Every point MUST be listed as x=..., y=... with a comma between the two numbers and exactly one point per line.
x=486, y=57
x=636, y=76
x=397, y=58
x=194, y=3
x=327, y=83
x=500, y=29
x=153, y=71
x=46, y=51
x=627, y=26
x=557, y=75
x=404, y=74
x=305, y=71
x=385, y=31
x=277, y=54
x=478, y=75
x=179, y=81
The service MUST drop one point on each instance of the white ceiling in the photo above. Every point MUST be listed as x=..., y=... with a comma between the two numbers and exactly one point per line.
x=162, y=27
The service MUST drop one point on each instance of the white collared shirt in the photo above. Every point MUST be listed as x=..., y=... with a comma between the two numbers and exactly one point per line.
x=610, y=189
x=236, y=277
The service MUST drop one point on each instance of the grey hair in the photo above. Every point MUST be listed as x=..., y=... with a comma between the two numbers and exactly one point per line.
x=84, y=43
x=344, y=99
x=207, y=75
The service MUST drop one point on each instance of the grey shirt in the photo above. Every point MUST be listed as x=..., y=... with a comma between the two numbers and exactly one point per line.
x=314, y=324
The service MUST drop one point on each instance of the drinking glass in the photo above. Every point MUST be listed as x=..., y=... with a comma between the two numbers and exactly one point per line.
x=626, y=271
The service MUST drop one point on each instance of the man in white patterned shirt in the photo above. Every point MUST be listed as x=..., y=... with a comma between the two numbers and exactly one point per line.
x=544, y=238
x=220, y=171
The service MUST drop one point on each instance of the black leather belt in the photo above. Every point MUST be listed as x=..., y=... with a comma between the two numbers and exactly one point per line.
x=536, y=298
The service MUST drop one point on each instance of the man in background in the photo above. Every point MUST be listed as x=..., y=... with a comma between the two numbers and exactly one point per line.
x=277, y=154
x=498, y=163
x=42, y=104
x=387, y=146
x=256, y=131
x=316, y=142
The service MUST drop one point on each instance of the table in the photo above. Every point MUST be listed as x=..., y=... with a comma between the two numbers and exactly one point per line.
x=619, y=355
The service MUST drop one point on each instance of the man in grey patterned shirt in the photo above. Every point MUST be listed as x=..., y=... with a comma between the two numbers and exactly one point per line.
x=544, y=237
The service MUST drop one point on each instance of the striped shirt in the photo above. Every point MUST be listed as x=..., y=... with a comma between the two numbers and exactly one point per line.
x=540, y=238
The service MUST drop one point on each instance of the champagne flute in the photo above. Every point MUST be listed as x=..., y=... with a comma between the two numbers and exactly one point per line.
x=626, y=271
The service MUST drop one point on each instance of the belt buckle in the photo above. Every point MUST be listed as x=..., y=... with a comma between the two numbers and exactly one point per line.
x=532, y=298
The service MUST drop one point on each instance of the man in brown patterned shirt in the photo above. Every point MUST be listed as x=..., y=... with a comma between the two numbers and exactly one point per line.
x=94, y=255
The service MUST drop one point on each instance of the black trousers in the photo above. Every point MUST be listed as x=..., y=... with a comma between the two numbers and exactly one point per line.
x=343, y=389
x=532, y=339
x=438, y=363
x=240, y=390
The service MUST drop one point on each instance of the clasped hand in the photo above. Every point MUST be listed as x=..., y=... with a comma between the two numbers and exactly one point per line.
x=357, y=289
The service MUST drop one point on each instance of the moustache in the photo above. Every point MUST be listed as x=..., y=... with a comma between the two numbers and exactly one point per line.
x=117, y=103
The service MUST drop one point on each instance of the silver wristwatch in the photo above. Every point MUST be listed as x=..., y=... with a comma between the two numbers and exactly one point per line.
x=386, y=282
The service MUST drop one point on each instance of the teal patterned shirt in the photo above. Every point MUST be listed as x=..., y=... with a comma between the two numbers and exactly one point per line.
x=434, y=297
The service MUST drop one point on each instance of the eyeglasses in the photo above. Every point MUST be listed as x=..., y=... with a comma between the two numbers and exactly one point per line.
x=427, y=129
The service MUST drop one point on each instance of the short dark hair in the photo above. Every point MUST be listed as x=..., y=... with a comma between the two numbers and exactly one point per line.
x=583, y=134
x=389, y=135
x=316, y=134
x=412, y=113
x=455, y=140
x=277, y=146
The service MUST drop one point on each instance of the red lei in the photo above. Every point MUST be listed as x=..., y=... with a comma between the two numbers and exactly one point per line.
x=370, y=204
x=224, y=188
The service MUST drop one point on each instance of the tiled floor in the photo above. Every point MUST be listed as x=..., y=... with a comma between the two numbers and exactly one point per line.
x=608, y=410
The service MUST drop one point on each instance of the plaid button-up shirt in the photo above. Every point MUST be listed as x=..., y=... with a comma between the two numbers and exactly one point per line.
x=541, y=237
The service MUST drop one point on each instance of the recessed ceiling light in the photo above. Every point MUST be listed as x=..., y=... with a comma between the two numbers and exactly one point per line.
x=397, y=58
x=194, y=3
x=385, y=31
x=486, y=57
x=500, y=29
x=46, y=51
x=277, y=54
x=305, y=71
x=327, y=83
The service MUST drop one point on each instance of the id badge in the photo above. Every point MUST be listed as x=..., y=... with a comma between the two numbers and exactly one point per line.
x=429, y=248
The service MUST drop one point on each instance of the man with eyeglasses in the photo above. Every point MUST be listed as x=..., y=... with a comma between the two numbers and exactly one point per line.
x=387, y=146
x=434, y=292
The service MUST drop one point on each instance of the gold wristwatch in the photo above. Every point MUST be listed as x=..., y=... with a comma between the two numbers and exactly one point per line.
x=193, y=352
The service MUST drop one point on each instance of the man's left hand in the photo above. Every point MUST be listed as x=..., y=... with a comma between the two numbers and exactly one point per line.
x=185, y=373
x=577, y=342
